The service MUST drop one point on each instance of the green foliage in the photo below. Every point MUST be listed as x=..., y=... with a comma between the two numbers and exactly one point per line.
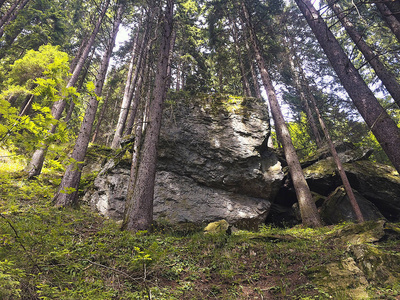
x=39, y=78
x=301, y=138
x=10, y=279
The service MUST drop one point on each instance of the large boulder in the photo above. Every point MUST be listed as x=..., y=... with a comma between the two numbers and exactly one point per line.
x=380, y=184
x=337, y=208
x=221, y=142
x=213, y=164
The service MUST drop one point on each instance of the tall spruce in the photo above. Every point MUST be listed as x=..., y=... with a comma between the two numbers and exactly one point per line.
x=308, y=209
x=382, y=126
x=304, y=89
x=139, y=202
x=388, y=78
x=390, y=19
x=67, y=193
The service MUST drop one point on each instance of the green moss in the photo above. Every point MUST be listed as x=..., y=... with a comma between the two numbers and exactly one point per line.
x=321, y=169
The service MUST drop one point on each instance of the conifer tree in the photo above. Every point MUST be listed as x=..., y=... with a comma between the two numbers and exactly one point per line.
x=68, y=190
x=308, y=209
x=139, y=203
x=384, y=128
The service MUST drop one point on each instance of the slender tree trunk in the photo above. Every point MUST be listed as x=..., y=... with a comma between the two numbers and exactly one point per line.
x=12, y=14
x=387, y=77
x=36, y=163
x=79, y=53
x=143, y=69
x=339, y=165
x=126, y=100
x=13, y=10
x=390, y=20
x=136, y=100
x=383, y=127
x=304, y=88
x=67, y=193
x=139, y=203
x=308, y=209
x=101, y=116
x=303, y=98
x=132, y=77
x=79, y=87
x=245, y=82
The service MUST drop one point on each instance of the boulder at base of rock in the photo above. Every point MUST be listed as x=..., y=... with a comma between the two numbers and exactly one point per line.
x=337, y=208
x=379, y=184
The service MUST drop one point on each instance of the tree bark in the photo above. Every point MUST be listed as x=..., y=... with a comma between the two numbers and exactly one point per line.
x=139, y=202
x=390, y=20
x=137, y=50
x=383, y=127
x=245, y=82
x=308, y=209
x=394, y=7
x=36, y=163
x=11, y=14
x=101, y=116
x=306, y=90
x=67, y=193
x=137, y=95
x=4, y=19
x=143, y=71
x=387, y=77
x=307, y=109
x=303, y=98
x=71, y=107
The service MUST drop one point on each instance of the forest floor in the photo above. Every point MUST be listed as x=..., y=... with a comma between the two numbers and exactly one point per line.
x=49, y=253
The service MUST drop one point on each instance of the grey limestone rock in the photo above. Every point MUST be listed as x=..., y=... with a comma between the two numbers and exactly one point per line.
x=213, y=164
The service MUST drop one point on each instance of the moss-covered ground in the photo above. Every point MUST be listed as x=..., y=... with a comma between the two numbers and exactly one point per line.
x=48, y=253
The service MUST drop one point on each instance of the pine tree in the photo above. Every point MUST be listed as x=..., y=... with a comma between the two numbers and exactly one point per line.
x=380, y=123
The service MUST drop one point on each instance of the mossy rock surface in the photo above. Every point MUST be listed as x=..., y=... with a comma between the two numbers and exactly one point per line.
x=364, y=265
x=379, y=184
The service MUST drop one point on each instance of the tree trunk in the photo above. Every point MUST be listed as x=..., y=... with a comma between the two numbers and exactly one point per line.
x=101, y=116
x=130, y=85
x=11, y=14
x=303, y=98
x=390, y=20
x=339, y=165
x=245, y=82
x=306, y=90
x=136, y=100
x=139, y=202
x=79, y=87
x=308, y=209
x=36, y=163
x=394, y=7
x=387, y=77
x=143, y=68
x=67, y=193
x=383, y=127
x=13, y=10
